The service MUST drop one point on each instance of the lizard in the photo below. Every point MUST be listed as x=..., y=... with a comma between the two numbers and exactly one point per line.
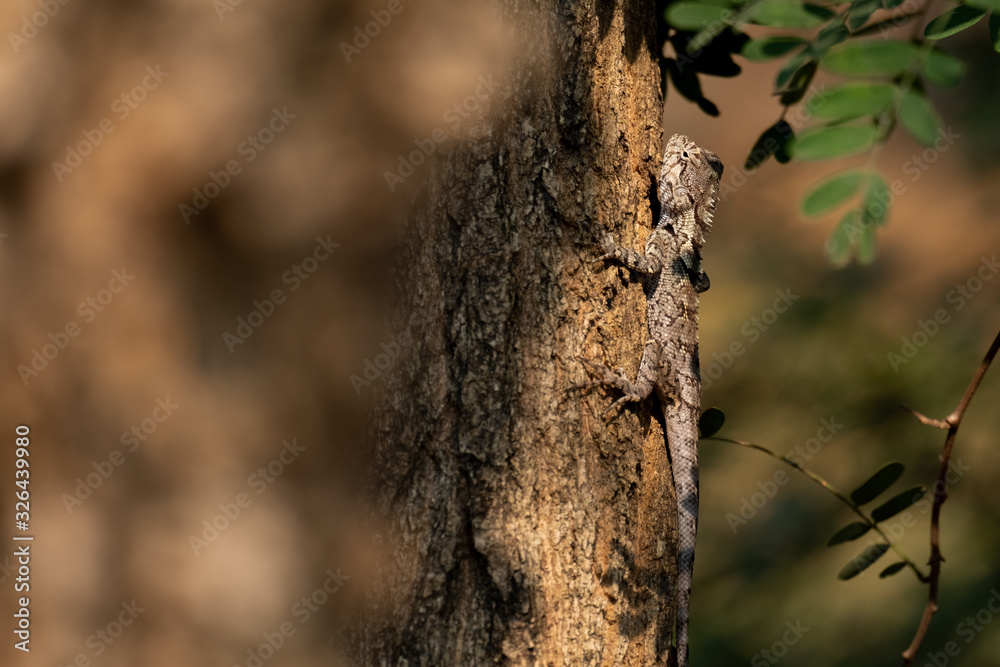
x=688, y=188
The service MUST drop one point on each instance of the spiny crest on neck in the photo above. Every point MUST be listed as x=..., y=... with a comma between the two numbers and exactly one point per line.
x=688, y=188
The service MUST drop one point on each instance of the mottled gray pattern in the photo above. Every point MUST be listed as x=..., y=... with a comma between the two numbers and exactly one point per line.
x=673, y=277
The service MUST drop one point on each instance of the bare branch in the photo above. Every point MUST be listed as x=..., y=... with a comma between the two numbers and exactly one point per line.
x=936, y=423
x=953, y=421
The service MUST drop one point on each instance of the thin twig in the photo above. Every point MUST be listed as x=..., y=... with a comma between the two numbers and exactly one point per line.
x=927, y=421
x=836, y=493
x=953, y=421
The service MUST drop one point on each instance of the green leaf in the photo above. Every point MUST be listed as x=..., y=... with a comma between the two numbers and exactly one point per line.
x=838, y=247
x=798, y=84
x=861, y=11
x=685, y=80
x=892, y=569
x=769, y=48
x=824, y=143
x=827, y=38
x=703, y=38
x=889, y=4
x=883, y=478
x=851, y=531
x=772, y=142
x=870, y=58
x=863, y=561
x=711, y=50
x=898, y=503
x=711, y=421
x=918, y=116
x=783, y=155
x=866, y=244
x=994, y=25
x=952, y=21
x=696, y=15
x=790, y=68
x=788, y=14
x=944, y=69
x=831, y=192
x=875, y=207
x=851, y=100
x=991, y=5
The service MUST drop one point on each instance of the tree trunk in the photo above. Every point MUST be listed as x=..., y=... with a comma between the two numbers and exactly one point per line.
x=521, y=527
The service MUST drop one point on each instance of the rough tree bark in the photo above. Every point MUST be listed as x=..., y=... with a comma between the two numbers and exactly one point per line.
x=522, y=528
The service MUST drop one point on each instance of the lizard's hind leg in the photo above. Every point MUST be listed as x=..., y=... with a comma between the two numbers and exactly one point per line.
x=645, y=380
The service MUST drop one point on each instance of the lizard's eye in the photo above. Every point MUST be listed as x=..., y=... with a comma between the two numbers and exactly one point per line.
x=685, y=153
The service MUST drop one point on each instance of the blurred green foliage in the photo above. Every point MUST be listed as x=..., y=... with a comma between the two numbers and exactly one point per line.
x=889, y=78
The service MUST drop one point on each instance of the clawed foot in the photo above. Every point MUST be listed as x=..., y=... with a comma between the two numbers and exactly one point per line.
x=606, y=244
x=606, y=377
x=627, y=398
x=593, y=369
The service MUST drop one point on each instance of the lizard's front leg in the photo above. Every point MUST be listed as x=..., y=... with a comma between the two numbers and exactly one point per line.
x=645, y=380
x=649, y=263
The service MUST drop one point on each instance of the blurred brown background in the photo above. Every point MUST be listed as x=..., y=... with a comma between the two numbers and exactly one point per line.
x=212, y=153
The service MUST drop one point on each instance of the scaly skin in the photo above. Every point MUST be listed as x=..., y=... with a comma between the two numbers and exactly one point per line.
x=673, y=278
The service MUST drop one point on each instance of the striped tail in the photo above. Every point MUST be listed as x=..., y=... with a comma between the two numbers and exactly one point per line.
x=682, y=440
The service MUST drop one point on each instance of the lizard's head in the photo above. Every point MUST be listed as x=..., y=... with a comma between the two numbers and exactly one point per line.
x=689, y=183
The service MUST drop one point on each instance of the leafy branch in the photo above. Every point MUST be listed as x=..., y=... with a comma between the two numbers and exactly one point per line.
x=864, y=494
x=887, y=86
x=713, y=419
